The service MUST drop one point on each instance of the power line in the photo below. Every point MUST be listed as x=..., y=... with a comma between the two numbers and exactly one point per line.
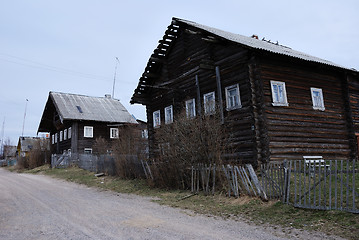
x=34, y=64
x=38, y=65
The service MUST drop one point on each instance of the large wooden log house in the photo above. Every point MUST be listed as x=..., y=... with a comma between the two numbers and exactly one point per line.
x=277, y=102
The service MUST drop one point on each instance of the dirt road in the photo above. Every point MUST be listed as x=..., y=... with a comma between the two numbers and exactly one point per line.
x=40, y=207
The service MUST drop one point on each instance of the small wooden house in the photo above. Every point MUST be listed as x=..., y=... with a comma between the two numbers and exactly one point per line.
x=277, y=103
x=26, y=144
x=76, y=121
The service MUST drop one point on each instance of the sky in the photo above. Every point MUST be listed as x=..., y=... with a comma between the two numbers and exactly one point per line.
x=71, y=46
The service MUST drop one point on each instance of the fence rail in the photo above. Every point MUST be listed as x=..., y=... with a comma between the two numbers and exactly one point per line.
x=330, y=185
x=324, y=184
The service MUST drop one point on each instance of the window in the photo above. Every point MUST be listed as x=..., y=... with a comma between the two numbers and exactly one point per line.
x=144, y=133
x=317, y=99
x=65, y=134
x=88, y=132
x=69, y=133
x=279, y=93
x=69, y=151
x=191, y=108
x=156, y=118
x=53, y=138
x=209, y=103
x=168, y=114
x=233, y=97
x=61, y=134
x=88, y=150
x=113, y=132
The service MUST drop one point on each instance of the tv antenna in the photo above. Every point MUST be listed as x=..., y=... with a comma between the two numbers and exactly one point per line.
x=23, y=123
x=2, y=138
x=114, y=77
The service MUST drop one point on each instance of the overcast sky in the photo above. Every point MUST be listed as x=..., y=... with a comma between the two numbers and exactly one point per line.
x=71, y=45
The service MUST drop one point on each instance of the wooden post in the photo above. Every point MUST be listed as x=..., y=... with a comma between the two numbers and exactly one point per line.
x=199, y=109
x=219, y=92
x=353, y=179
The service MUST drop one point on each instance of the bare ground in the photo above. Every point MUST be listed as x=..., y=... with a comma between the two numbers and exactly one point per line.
x=40, y=207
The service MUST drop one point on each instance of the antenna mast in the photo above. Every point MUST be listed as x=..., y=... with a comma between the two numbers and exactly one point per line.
x=2, y=139
x=114, y=78
x=23, y=123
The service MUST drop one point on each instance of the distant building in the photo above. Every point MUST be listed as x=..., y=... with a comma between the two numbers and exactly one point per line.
x=9, y=151
x=26, y=144
x=75, y=121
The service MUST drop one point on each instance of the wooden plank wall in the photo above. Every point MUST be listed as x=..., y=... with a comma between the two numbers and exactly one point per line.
x=298, y=129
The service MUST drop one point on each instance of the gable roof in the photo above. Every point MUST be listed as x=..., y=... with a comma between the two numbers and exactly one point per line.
x=177, y=24
x=26, y=144
x=80, y=107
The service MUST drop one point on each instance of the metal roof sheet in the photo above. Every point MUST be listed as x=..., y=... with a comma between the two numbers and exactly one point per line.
x=260, y=44
x=80, y=107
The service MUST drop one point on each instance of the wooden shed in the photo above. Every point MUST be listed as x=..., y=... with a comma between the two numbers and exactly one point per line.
x=277, y=102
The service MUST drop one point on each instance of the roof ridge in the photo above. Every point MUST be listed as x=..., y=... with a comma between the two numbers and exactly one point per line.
x=82, y=95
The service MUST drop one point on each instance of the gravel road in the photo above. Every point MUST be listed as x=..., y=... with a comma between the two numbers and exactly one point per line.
x=40, y=207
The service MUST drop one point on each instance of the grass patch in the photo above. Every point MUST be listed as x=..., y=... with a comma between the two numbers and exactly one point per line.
x=251, y=209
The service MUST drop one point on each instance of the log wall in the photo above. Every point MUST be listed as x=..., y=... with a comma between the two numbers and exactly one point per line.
x=192, y=56
x=298, y=129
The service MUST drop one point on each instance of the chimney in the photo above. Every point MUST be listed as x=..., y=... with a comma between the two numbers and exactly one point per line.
x=255, y=36
x=108, y=96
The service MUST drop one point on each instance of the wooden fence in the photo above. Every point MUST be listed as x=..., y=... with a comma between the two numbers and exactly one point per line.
x=331, y=185
x=240, y=179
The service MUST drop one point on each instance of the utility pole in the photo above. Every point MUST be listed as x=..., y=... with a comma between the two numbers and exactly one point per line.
x=23, y=123
x=114, y=78
x=2, y=139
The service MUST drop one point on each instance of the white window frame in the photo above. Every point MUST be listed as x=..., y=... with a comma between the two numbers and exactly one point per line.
x=191, y=112
x=69, y=133
x=321, y=99
x=230, y=99
x=88, y=131
x=209, y=109
x=114, y=133
x=87, y=150
x=65, y=134
x=55, y=137
x=284, y=100
x=61, y=135
x=169, y=114
x=144, y=133
x=156, y=119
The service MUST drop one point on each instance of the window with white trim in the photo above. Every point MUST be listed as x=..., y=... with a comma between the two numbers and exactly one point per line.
x=209, y=103
x=88, y=150
x=55, y=137
x=191, y=108
x=169, y=114
x=317, y=98
x=65, y=134
x=69, y=133
x=61, y=134
x=113, y=132
x=88, y=131
x=156, y=119
x=279, y=94
x=233, y=98
x=144, y=133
